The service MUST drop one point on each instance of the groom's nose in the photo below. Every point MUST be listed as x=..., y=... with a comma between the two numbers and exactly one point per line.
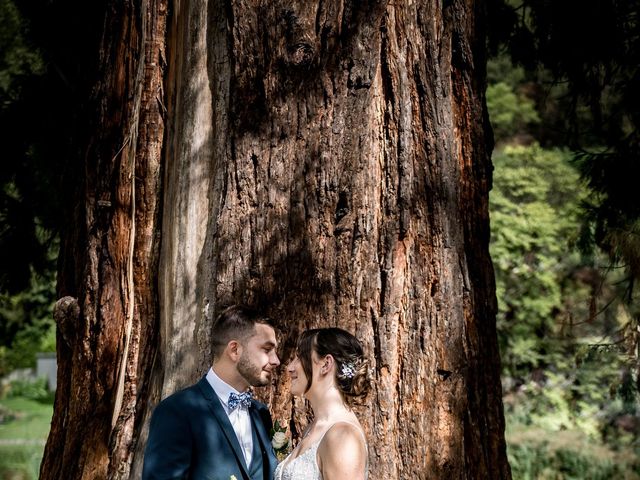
x=274, y=360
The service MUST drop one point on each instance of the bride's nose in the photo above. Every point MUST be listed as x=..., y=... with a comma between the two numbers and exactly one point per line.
x=291, y=365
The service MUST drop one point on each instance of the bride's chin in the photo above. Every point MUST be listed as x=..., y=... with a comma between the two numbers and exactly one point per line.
x=297, y=392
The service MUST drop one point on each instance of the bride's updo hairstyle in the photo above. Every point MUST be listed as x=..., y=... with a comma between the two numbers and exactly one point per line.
x=352, y=369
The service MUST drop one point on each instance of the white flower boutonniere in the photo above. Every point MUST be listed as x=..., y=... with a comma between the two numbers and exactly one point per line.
x=280, y=441
x=233, y=477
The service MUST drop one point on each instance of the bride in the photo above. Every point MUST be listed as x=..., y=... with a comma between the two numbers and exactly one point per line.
x=329, y=369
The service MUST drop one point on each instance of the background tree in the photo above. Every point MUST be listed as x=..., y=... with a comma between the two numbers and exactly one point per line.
x=591, y=48
x=27, y=226
x=44, y=87
x=535, y=215
x=329, y=161
x=567, y=317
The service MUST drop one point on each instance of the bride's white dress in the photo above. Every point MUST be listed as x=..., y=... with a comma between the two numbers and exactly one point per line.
x=304, y=466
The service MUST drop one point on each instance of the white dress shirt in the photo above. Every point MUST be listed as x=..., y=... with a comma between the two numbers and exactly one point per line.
x=239, y=417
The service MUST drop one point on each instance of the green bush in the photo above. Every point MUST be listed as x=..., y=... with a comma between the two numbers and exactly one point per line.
x=30, y=389
x=538, y=461
x=26, y=324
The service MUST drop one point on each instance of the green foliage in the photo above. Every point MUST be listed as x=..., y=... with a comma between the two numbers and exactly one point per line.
x=584, y=57
x=17, y=58
x=573, y=393
x=35, y=390
x=531, y=461
x=26, y=324
x=557, y=375
x=549, y=321
x=30, y=173
x=31, y=119
x=510, y=113
x=612, y=212
x=501, y=69
x=534, y=216
x=29, y=341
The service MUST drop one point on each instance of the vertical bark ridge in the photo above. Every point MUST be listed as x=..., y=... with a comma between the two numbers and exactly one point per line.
x=147, y=178
x=128, y=129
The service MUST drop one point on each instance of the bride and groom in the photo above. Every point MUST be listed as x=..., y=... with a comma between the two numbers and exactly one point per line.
x=215, y=430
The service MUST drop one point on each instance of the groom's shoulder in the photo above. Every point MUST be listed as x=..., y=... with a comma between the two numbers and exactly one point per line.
x=185, y=396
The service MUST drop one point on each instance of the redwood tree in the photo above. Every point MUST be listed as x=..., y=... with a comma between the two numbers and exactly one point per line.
x=328, y=161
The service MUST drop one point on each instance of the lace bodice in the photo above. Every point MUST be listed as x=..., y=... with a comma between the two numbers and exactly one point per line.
x=303, y=467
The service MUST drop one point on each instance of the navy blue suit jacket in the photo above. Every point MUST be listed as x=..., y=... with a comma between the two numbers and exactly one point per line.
x=190, y=437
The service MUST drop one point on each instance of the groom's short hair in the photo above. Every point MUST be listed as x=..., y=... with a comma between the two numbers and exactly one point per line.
x=236, y=322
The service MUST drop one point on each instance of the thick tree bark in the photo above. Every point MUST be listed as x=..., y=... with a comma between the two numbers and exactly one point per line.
x=324, y=160
x=107, y=323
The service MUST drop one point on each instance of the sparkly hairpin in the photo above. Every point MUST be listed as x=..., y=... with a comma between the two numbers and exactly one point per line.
x=348, y=370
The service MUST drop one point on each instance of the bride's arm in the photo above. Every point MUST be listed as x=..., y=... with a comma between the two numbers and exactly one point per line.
x=342, y=454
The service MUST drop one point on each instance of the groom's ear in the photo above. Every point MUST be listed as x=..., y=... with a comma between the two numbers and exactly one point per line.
x=234, y=350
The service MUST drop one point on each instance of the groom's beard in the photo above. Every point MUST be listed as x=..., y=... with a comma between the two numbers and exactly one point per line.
x=253, y=374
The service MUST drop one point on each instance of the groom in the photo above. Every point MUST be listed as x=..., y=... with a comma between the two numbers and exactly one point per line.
x=214, y=430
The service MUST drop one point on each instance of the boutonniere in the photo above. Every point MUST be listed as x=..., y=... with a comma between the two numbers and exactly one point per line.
x=233, y=477
x=280, y=441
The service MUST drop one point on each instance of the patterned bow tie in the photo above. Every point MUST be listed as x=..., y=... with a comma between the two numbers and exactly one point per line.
x=237, y=400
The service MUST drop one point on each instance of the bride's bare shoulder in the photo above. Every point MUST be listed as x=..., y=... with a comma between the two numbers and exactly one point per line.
x=344, y=430
x=343, y=452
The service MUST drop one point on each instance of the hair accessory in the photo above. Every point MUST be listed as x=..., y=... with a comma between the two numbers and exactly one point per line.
x=348, y=370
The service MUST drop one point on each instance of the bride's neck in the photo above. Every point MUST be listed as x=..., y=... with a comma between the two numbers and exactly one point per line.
x=326, y=403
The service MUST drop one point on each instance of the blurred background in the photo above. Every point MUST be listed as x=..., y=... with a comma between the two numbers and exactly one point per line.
x=563, y=95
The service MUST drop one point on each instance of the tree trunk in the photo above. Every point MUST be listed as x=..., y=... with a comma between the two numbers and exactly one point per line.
x=107, y=318
x=325, y=160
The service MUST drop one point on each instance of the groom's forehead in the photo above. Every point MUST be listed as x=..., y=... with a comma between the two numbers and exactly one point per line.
x=264, y=334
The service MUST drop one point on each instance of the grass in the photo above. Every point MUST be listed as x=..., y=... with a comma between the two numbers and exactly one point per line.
x=20, y=462
x=22, y=438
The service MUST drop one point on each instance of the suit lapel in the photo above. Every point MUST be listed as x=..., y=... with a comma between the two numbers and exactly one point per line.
x=223, y=420
x=263, y=435
x=259, y=426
